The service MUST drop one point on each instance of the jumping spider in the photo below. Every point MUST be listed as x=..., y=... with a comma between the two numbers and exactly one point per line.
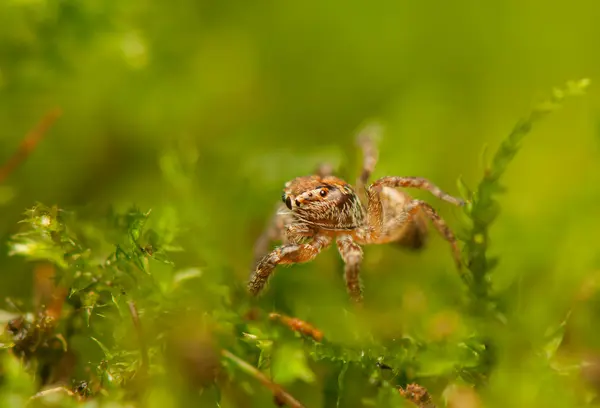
x=322, y=207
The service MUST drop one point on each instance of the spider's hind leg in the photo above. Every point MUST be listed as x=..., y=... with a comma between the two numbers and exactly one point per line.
x=408, y=233
x=418, y=207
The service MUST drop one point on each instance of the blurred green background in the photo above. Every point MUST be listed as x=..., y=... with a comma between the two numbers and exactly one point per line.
x=203, y=109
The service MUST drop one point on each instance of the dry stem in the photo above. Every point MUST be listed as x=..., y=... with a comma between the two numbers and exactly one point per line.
x=140, y=333
x=29, y=143
x=279, y=393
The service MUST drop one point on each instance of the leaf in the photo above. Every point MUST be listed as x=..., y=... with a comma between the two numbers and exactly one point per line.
x=17, y=383
x=266, y=348
x=487, y=215
x=120, y=254
x=140, y=261
x=89, y=300
x=105, y=350
x=163, y=258
x=578, y=87
x=186, y=274
x=289, y=365
x=115, y=302
x=464, y=190
x=136, y=222
x=554, y=337
x=388, y=396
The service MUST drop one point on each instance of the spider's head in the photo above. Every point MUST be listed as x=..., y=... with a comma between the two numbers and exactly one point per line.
x=326, y=202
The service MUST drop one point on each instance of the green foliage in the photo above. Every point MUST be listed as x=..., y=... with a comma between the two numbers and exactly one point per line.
x=125, y=325
x=17, y=385
x=201, y=111
x=482, y=208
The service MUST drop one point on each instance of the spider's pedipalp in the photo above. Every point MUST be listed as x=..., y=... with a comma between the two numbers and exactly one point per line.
x=294, y=233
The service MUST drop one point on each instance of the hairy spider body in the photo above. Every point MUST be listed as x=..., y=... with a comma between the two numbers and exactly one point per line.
x=327, y=203
x=411, y=234
x=322, y=208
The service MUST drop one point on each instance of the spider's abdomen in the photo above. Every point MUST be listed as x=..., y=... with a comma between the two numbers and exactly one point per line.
x=412, y=234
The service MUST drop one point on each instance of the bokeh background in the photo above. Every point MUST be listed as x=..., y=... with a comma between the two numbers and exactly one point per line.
x=203, y=109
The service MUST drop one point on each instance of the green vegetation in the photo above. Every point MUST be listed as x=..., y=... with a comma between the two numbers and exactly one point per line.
x=122, y=284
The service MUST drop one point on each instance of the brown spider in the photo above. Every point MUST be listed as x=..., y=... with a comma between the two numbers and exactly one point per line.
x=321, y=208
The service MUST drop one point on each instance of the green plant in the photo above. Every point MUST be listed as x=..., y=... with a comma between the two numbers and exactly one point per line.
x=125, y=325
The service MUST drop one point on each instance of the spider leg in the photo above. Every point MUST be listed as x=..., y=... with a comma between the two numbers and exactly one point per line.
x=325, y=170
x=415, y=207
x=274, y=231
x=352, y=255
x=374, y=230
x=416, y=182
x=366, y=140
x=279, y=226
x=285, y=254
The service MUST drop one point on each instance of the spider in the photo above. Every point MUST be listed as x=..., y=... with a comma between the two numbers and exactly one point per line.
x=321, y=208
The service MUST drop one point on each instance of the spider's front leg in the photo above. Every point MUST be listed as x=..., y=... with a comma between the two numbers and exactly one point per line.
x=280, y=229
x=352, y=255
x=285, y=254
x=274, y=231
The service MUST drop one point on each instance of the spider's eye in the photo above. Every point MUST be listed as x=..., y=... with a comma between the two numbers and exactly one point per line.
x=288, y=203
x=323, y=193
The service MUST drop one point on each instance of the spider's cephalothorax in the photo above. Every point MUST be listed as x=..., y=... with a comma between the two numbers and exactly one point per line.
x=327, y=202
x=321, y=208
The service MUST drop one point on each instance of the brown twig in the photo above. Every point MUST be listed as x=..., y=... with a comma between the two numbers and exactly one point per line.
x=29, y=143
x=279, y=393
x=140, y=333
x=298, y=325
